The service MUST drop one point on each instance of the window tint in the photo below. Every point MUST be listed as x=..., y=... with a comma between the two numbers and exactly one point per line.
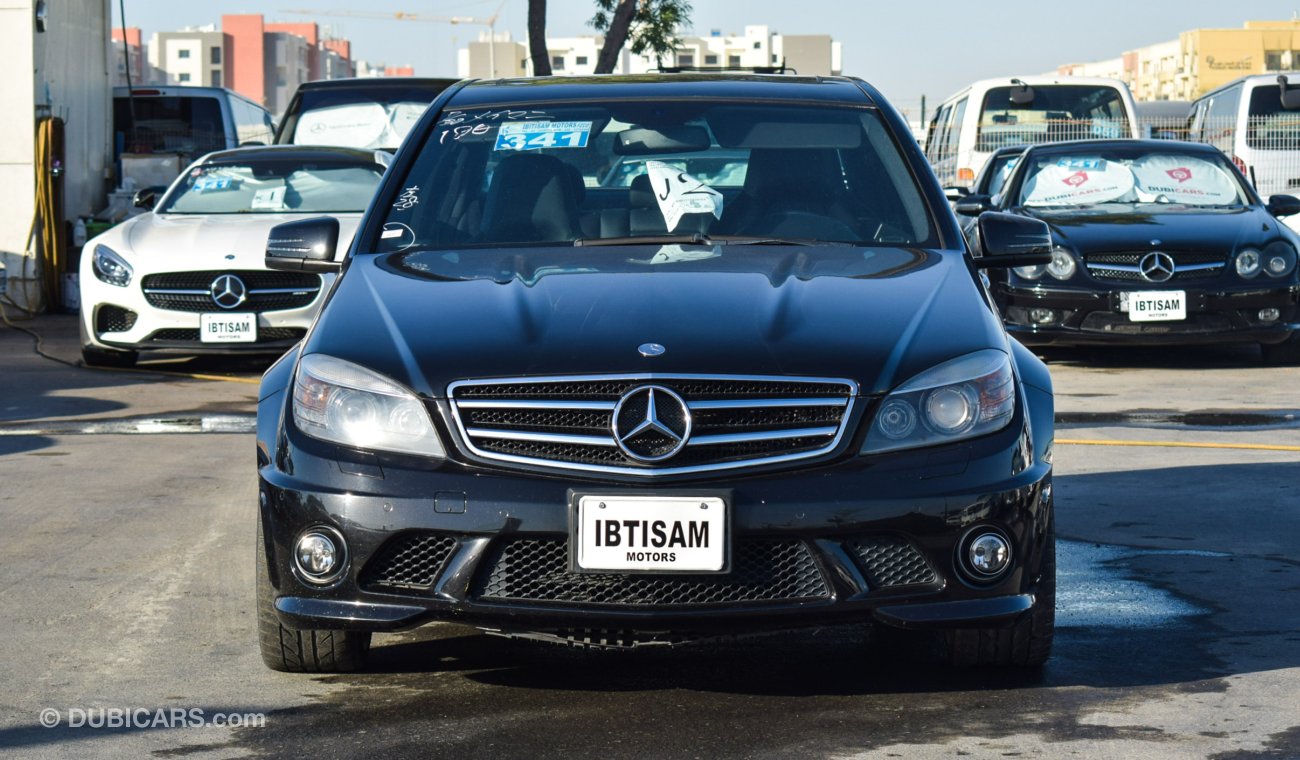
x=1057, y=112
x=1269, y=125
x=557, y=174
x=374, y=117
x=192, y=126
x=275, y=187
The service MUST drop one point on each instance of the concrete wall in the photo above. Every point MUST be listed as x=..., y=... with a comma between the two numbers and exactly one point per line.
x=64, y=72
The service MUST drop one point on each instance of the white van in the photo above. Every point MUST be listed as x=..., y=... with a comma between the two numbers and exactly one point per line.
x=996, y=113
x=1254, y=125
x=189, y=121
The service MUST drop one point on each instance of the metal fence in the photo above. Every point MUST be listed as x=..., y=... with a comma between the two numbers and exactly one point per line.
x=1265, y=148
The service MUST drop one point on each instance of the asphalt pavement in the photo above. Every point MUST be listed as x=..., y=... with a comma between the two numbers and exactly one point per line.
x=128, y=503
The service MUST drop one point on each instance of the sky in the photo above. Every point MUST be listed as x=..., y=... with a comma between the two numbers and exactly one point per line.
x=906, y=48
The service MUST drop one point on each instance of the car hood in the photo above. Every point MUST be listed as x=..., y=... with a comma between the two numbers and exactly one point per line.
x=875, y=316
x=175, y=241
x=1219, y=230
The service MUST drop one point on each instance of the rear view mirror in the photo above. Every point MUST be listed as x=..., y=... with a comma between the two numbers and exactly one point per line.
x=1010, y=240
x=1283, y=205
x=147, y=197
x=974, y=205
x=304, y=246
x=642, y=141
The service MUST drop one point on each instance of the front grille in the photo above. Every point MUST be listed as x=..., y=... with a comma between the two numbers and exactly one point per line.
x=413, y=560
x=267, y=290
x=569, y=422
x=537, y=571
x=191, y=335
x=1122, y=266
x=1119, y=324
x=890, y=561
x=109, y=318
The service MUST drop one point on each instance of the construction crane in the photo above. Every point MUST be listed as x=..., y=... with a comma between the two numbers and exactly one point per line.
x=490, y=22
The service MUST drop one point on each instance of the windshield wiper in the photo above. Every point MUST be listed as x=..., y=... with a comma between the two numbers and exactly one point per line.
x=695, y=238
x=699, y=238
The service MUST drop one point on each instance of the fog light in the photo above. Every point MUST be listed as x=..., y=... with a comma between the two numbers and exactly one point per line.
x=1269, y=315
x=1042, y=316
x=988, y=555
x=319, y=555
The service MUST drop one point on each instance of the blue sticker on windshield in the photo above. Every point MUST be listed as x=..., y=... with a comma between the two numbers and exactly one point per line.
x=213, y=184
x=539, y=135
x=1083, y=164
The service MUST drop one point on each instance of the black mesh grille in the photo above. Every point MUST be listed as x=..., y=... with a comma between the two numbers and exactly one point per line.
x=111, y=318
x=537, y=570
x=191, y=335
x=412, y=560
x=305, y=288
x=253, y=278
x=254, y=302
x=1119, y=324
x=1097, y=265
x=891, y=561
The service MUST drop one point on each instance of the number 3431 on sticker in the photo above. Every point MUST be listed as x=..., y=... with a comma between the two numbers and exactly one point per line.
x=536, y=135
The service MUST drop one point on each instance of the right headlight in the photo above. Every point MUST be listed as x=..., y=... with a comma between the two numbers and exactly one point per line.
x=341, y=402
x=1279, y=259
x=110, y=267
x=966, y=397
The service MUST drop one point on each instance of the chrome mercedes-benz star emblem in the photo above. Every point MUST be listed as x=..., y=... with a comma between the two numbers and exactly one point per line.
x=651, y=423
x=651, y=349
x=1157, y=266
x=228, y=291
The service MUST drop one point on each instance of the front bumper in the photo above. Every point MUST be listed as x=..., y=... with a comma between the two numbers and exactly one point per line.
x=911, y=509
x=1093, y=316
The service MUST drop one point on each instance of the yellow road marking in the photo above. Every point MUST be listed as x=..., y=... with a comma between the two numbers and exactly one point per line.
x=1179, y=444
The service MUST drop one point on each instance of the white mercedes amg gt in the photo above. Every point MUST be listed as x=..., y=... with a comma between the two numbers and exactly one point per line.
x=188, y=277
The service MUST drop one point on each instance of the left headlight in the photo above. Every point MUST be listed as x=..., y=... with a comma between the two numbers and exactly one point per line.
x=966, y=397
x=111, y=267
x=341, y=402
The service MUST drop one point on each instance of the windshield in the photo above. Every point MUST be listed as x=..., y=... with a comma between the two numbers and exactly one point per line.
x=1130, y=177
x=365, y=118
x=1055, y=113
x=582, y=174
x=161, y=124
x=275, y=186
x=1270, y=126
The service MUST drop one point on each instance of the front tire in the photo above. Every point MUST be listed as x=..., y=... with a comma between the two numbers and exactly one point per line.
x=301, y=650
x=1284, y=354
x=1027, y=643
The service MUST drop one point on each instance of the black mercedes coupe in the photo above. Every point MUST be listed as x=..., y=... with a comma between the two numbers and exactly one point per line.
x=1154, y=242
x=660, y=411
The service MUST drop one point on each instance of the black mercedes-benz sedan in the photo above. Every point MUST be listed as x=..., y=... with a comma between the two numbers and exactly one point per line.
x=1155, y=242
x=658, y=412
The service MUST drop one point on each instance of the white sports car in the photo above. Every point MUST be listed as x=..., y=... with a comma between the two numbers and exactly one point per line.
x=188, y=277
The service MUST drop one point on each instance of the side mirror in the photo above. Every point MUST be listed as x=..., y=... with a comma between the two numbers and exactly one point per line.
x=974, y=205
x=954, y=194
x=304, y=246
x=147, y=197
x=1010, y=240
x=1283, y=205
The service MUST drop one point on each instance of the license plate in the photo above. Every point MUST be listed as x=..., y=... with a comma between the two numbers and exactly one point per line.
x=652, y=534
x=228, y=328
x=1154, y=305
